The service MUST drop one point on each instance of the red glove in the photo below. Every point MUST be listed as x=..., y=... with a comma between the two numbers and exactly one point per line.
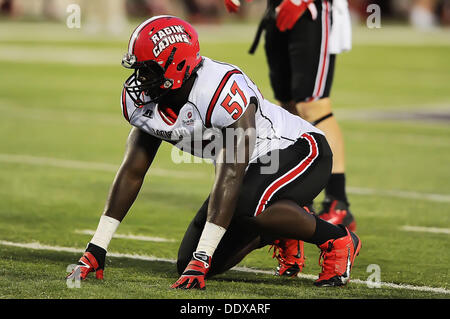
x=93, y=260
x=289, y=11
x=233, y=5
x=194, y=274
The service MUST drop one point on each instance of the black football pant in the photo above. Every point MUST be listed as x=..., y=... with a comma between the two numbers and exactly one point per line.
x=303, y=171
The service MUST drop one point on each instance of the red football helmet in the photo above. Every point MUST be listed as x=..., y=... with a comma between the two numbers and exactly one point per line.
x=164, y=52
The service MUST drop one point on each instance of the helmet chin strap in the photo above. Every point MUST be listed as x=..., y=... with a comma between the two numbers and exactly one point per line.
x=160, y=96
x=175, y=99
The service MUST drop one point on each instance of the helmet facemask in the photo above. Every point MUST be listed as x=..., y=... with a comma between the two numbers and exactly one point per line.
x=147, y=79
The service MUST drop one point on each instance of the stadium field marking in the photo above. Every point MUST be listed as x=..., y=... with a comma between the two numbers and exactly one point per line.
x=129, y=236
x=39, y=246
x=400, y=194
x=434, y=230
x=63, y=115
x=57, y=54
x=432, y=112
x=392, y=35
x=84, y=165
x=106, y=167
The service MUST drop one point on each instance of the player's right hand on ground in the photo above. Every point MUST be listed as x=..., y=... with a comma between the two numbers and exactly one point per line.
x=193, y=276
x=93, y=260
x=233, y=5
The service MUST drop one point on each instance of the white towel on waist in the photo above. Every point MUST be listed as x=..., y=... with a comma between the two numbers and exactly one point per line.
x=341, y=29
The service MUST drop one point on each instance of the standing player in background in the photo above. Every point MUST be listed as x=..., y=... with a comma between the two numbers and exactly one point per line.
x=302, y=40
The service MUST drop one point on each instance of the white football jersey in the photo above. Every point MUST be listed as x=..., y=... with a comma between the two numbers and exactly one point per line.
x=220, y=95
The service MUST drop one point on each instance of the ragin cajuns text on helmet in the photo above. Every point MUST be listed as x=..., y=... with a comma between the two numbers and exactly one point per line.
x=164, y=52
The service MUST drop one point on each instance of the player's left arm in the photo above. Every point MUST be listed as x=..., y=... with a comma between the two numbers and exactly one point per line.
x=231, y=162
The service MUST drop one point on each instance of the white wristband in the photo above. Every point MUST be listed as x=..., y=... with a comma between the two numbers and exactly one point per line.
x=210, y=238
x=105, y=231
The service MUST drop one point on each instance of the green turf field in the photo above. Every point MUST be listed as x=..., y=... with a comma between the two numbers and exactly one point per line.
x=63, y=135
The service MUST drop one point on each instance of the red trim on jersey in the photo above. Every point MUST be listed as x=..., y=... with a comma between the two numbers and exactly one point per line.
x=168, y=118
x=124, y=105
x=216, y=95
x=290, y=175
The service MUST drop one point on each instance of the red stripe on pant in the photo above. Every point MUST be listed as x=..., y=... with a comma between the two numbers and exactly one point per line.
x=290, y=175
x=321, y=76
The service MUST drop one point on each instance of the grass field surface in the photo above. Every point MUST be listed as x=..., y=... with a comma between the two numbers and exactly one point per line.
x=63, y=137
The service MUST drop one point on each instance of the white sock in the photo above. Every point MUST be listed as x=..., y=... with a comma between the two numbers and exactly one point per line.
x=210, y=238
x=105, y=231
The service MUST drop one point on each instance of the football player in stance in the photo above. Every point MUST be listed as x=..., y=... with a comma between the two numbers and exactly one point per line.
x=275, y=163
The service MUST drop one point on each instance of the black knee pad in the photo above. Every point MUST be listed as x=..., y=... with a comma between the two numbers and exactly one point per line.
x=322, y=119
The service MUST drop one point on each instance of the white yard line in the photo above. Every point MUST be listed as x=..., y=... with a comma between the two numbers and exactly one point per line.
x=106, y=167
x=418, y=112
x=434, y=230
x=49, y=52
x=129, y=236
x=39, y=246
x=57, y=54
x=95, y=166
x=84, y=165
x=393, y=35
x=400, y=194
x=357, y=281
